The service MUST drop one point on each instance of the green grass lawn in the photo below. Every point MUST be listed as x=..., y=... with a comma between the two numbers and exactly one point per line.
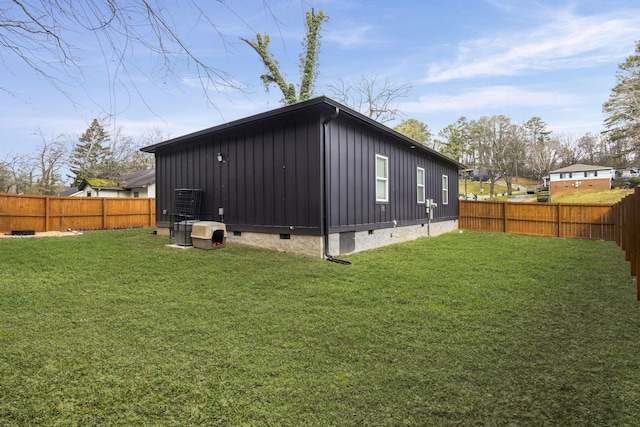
x=593, y=196
x=115, y=328
x=519, y=185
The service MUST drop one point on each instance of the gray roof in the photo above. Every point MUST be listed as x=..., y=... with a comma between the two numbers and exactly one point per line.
x=143, y=178
x=579, y=167
x=69, y=192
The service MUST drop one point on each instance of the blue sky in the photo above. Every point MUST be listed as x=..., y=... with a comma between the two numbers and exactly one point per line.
x=553, y=59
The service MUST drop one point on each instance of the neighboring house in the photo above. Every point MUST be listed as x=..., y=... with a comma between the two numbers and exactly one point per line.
x=96, y=187
x=141, y=184
x=138, y=184
x=626, y=173
x=314, y=177
x=476, y=174
x=580, y=177
x=70, y=192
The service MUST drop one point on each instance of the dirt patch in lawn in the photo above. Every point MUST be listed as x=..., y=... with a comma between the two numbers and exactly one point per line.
x=41, y=234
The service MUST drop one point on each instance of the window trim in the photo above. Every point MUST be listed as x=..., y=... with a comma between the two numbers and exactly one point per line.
x=420, y=186
x=445, y=189
x=384, y=179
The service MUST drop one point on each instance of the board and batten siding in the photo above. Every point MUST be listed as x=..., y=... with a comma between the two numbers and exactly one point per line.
x=269, y=180
x=276, y=171
x=352, y=150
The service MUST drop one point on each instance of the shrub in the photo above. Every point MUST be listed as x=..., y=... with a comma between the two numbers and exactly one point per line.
x=620, y=183
x=634, y=181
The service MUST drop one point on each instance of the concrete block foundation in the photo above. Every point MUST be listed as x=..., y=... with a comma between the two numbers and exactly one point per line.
x=339, y=243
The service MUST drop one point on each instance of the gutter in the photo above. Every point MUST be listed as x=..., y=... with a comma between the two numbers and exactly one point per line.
x=325, y=192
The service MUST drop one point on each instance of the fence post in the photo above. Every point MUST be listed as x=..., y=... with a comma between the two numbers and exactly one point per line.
x=504, y=217
x=624, y=221
x=151, y=201
x=616, y=222
x=104, y=213
x=47, y=207
x=632, y=221
x=635, y=223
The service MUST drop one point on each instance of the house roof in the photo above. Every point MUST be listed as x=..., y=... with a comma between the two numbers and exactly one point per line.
x=69, y=192
x=143, y=178
x=322, y=100
x=98, y=183
x=579, y=167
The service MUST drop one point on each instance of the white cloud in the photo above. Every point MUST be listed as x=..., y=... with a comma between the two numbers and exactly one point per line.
x=352, y=36
x=487, y=98
x=567, y=41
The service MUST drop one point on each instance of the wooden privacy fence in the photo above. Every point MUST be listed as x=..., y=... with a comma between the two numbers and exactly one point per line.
x=580, y=221
x=618, y=222
x=51, y=213
x=627, y=236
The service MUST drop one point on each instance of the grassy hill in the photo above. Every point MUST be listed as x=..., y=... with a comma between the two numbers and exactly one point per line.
x=473, y=187
x=594, y=196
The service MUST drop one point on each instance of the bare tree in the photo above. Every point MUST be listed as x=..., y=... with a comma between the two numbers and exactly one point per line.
x=543, y=150
x=17, y=174
x=375, y=99
x=543, y=156
x=48, y=160
x=142, y=160
x=125, y=156
x=509, y=149
x=40, y=33
x=6, y=181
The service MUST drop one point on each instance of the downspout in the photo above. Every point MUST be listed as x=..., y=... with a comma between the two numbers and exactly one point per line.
x=325, y=193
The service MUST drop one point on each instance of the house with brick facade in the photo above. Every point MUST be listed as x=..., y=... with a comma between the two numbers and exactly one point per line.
x=580, y=177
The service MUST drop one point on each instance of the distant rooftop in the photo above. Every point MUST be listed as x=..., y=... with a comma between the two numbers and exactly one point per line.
x=579, y=167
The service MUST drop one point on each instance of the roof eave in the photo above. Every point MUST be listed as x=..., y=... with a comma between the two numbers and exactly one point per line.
x=410, y=143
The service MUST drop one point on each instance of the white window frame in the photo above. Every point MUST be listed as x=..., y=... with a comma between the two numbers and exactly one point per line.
x=420, y=185
x=445, y=189
x=382, y=178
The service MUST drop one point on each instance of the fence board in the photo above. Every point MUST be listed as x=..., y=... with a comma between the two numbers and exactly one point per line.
x=52, y=213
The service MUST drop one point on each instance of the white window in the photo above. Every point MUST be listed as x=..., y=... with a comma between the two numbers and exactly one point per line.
x=445, y=190
x=420, y=184
x=382, y=178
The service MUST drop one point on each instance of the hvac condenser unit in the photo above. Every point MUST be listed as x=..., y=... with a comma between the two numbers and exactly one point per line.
x=209, y=235
x=183, y=232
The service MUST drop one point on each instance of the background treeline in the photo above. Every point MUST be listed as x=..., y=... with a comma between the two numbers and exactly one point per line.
x=66, y=160
x=502, y=149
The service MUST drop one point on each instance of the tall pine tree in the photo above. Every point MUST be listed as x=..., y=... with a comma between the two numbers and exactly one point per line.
x=623, y=107
x=90, y=154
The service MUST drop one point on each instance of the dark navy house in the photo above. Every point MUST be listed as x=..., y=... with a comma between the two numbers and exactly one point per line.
x=314, y=177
